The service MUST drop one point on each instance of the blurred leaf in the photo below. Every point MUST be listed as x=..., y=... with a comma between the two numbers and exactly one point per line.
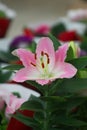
x=33, y=105
x=32, y=46
x=83, y=45
x=26, y=120
x=12, y=67
x=79, y=63
x=57, y=29
x=4, y=77
x=73, y=102
x=55, y=41
x=82, y=73
x=7, y=56
x=69, y=121
x=73, y=85
x=37, y=86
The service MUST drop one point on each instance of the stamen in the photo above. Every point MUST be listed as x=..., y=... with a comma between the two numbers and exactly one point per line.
x=42, y=65
x=35, y=56
x=46, y=54
x=48, y=60
x=42, y=53
x=33, y=64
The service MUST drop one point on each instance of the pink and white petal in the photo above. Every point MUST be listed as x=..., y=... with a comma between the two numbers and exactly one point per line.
x=24, y=74
x=25, y=56
x=45, y=45
x=14, y=104
x=64, y=70
x=61, y=53
x=42, y=81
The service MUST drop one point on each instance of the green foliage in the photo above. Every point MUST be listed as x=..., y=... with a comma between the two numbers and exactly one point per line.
x=79, y=63
x=2, y=14
x=5, y=76
x=56, y=43
x=57, y=29
x=7, y=57
x=83, y=45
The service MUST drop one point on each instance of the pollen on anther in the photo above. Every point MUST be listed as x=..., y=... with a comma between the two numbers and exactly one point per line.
x=42, y=65
x=46, y=54
x=35, y=56
x=42, y=53
x=48, y=60
x=33, y=64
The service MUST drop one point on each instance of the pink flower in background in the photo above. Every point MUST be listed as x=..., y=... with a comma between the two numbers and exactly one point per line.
x=45, y=65
x=42, y=29
x=3, y=95
x=13, y=104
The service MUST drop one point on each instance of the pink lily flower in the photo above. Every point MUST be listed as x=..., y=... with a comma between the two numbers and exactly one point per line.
x=45, y=65
x=13, y=103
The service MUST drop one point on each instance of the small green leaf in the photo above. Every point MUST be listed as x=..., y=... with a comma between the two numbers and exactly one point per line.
x=57, y=29
x=26, y=120
x=33, y=105
x=4, y=77
x=79, y=63
x=73, y=85
x=55, y=41
x=7, y=56
x=12, y=67
x=37, y=86
x=70, y=54
x=69, y=121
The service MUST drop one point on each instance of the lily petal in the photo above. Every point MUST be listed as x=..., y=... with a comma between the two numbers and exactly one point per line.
x=45, y=45
x=62, y=52
x=64, y=70
x=42, y=81
x=25, y=56
x=27, y=74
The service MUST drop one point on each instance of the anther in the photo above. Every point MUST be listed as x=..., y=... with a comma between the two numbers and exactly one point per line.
x=42, y=65
x=46, y=54
x=42, y=53
x=33, y=64
x=35, y=56
x=48, y=60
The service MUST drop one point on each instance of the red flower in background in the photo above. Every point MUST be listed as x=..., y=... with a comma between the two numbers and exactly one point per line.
x=4, y=25
x=69, y=36
x=42, y=30
x=28, y=32
x=17, y=125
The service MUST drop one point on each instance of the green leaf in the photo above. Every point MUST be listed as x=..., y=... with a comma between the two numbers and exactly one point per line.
x=57, y=29
x=4, y=77
x=70, y=54
x=7, y=56
x=32, y=46
x=79, y=63
x=82, y=73
x=69, y=121
x=33, y=105
x=54, y=99
x=37, y=86
x=83, y=45
x=26, y=120
x=73, y=102
x=12, y=67
x=39, y=116
x=73, y=85
x=55, y=41
x=54, y=86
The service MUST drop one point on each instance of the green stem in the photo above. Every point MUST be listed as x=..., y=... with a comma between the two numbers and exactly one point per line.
x=46, y=112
